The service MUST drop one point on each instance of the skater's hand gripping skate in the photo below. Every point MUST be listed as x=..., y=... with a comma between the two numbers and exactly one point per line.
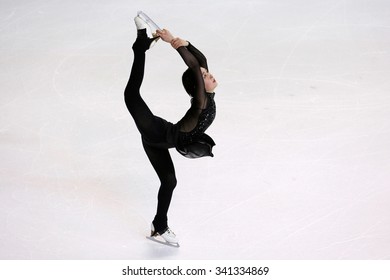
x=165, y=35
x=178, y=42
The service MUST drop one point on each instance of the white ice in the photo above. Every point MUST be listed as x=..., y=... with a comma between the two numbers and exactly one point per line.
x=302, y=162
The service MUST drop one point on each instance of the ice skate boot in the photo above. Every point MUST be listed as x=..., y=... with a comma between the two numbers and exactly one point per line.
x=143, y=42
x=166, y=237
x=142, y=21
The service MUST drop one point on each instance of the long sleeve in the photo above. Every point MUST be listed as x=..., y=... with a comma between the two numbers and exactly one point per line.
x=200, y=97
x=199, y=56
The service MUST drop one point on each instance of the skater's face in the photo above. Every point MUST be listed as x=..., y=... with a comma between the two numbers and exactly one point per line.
x=209, y=82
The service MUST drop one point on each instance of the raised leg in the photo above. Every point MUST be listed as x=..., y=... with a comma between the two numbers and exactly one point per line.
x=143, y=117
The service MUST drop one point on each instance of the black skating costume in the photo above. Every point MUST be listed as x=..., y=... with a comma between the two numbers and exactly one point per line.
x=159, y=135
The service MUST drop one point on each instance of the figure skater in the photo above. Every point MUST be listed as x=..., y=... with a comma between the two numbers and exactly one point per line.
x=159, y=135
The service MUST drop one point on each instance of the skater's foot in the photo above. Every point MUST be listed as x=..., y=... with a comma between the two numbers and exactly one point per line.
x=146, y=28
x=143, y=42
x=168, y=235
x=143, y=21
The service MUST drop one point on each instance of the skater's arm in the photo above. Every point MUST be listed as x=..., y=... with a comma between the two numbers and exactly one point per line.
x=199, y=55
x=200, y=98
x=166, y=36
x=178, y=42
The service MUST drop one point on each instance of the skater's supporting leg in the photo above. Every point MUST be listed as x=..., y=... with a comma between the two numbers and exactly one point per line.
x=162, y=163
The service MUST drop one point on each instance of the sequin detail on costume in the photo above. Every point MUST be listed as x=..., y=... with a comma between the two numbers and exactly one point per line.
x=205, y=119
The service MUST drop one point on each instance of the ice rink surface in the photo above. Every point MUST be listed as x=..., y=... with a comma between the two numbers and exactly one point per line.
x=302, y=162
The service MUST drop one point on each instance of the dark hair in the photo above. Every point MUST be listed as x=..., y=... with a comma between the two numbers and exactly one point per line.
x=189, y=83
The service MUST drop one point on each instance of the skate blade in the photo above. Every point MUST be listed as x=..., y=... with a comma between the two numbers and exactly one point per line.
x=148, y=20
x=152, y=27
x=175, y=245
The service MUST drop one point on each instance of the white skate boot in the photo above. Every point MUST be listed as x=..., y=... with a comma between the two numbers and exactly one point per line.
x=142, y=21
x=168, y=237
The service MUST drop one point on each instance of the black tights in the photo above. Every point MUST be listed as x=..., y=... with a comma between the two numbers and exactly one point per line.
x=153, y=130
